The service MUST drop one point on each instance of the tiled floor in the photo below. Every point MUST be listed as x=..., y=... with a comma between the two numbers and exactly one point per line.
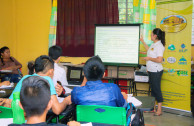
x=167, y=119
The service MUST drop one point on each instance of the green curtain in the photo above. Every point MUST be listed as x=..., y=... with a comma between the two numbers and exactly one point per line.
x=53, y=24
x=144, y=11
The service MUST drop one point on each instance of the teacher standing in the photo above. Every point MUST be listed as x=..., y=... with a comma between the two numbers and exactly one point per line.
x=154, y=67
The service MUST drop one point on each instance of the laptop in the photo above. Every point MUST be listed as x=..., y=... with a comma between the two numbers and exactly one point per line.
x=74, y=76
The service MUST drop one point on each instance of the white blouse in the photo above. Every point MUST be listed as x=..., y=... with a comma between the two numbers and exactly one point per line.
x=155, y=50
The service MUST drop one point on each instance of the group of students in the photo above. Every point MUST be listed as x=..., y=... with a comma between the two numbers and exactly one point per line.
x=94, y=92
x=36, y=100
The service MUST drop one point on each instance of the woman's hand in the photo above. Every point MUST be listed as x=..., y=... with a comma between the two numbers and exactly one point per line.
x=141, y=39
x=157, y=60
x=59, y=89
x=146, y=58
x=145, y=45
x=10, y=68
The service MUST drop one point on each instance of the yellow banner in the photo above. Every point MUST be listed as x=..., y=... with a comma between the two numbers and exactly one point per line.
x=175, y=19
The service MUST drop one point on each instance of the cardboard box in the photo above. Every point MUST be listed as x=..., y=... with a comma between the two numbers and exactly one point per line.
x=124, y=72
x=141, y=76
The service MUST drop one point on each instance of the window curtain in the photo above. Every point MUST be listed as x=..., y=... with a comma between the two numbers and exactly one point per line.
x=53, y=24
x=76, y=21
x=144, y=12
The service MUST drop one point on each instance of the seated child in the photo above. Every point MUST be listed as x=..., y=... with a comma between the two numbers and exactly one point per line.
x=95, y=92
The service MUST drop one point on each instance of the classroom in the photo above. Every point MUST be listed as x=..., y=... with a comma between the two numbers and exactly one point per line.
x=144, y=49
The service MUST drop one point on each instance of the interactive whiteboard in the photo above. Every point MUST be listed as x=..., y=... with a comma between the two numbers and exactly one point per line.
x=117, y=44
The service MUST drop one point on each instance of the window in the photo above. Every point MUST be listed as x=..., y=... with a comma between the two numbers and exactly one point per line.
x=125, y=11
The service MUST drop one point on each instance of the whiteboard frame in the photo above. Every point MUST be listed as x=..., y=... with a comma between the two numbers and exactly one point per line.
x=114, y=63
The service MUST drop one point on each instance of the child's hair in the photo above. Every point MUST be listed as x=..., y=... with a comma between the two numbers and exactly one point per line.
x=35, y=95
x=30, y=67
x=55, y=52
x=94, y=69
x=43, y=64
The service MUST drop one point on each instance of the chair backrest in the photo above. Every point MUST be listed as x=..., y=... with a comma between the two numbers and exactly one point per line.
x=6, y=112
x=101, y=114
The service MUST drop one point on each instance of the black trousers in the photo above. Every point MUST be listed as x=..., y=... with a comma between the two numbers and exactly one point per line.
x=155, y=84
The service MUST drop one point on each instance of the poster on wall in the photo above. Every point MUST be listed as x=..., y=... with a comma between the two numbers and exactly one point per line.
x=174, y=17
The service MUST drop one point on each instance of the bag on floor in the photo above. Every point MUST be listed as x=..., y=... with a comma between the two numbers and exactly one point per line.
x=134, y=116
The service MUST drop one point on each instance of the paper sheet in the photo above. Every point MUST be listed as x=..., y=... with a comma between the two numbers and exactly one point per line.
x=133, y=100
x=5, y=86
x=87, y=124
x=6, y=121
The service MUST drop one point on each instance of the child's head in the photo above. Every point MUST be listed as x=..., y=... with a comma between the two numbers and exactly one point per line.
x=94, y=69
x=35, y=96
x=43, y=64
x=55, y=52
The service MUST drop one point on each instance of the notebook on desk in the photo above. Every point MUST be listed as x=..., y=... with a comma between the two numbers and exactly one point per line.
x=74, y=76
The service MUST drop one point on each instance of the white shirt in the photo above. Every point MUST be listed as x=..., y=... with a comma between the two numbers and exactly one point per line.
x=155, y=50
x=60, y=75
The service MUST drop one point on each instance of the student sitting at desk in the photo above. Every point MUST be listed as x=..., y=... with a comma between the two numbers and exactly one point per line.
x=44, y=67
x=95, y=92
x=9, y=63
x=59, y=72
x=35, y=88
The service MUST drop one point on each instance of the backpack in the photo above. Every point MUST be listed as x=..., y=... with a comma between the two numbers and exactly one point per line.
x=138, y=119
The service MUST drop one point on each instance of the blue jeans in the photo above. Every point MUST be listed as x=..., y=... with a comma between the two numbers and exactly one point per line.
x=15, y=78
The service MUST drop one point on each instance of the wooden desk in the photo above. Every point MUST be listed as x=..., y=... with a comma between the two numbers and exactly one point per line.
x=3, y=72
x=7, y=91
x=113, y=78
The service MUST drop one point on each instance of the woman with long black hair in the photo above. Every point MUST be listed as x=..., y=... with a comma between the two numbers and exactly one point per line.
x=154, y=65
x=9, y=63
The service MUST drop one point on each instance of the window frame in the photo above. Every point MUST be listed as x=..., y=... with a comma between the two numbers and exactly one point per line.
x=126, y=14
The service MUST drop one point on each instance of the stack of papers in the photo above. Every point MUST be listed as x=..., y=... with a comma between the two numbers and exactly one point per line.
x=133, y=100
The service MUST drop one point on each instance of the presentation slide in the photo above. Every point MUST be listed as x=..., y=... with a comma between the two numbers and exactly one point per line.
x=117, y=44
